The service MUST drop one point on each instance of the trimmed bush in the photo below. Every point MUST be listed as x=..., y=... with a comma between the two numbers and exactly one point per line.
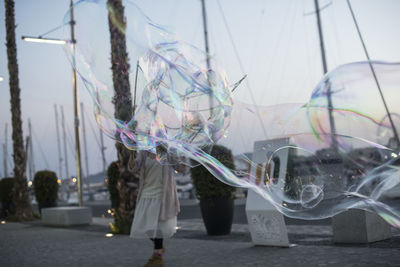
x=216, y=198
x=6, y=197
x=209, y=187
x=6, y=186
x=46, y=189
x=112, y=181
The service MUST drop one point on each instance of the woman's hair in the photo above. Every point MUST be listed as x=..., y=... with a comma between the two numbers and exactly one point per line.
x=161, y=149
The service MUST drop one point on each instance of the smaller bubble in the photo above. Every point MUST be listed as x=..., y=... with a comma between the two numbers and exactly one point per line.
x=310, y=196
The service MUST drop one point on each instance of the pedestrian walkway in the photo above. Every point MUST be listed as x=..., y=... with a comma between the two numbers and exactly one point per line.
x=198, y=225
x=32, y=244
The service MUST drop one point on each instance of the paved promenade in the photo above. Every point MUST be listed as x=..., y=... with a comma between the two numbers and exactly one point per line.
x=31, y=244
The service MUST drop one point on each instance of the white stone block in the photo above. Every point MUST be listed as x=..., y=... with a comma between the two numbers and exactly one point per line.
x=66, y=216
x=359, y=226
x=266, y=224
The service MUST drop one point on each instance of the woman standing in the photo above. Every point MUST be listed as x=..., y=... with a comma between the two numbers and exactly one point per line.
x=157, y=203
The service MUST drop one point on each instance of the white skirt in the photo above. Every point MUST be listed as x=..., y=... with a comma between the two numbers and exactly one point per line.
x=146, y=223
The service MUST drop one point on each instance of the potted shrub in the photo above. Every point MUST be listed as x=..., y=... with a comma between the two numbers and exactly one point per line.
x=216, y=198
x=46, y=189
x=6, y=187
x=112, y=181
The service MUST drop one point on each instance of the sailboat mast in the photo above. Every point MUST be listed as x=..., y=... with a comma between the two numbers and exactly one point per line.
x=325, y=70
x=4, y=160
x=203, y=8
x=396, y=136
x=135, y=90
x=321, y=37
x=208, y=65
x=76, y=109
x=102, y=148
x=31, y=161
x=5, y=156
x=65, y=142
x=85, y=146
x=58, y=143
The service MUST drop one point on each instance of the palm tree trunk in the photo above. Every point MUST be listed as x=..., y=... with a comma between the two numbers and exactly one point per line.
x=128, y=181
x=23, y=209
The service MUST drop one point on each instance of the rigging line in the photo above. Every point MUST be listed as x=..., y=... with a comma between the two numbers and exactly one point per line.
x=224, y=63
x=241, y=67
x=211, y=43
x=336, y=33
x=320, y=9
x=54, y=29
x=306, y=82
x=196, y=31
x=173, y=9
x=290, y=26
x=40, y=149
x=258, y=35
x=176, y=9
x=135, y=88
x=69, y=140
x=330, y=39
x=307, y=48
x=215, y=45
x=286, y=55
x=315, y=70
x=396, y=136
x=311, y=82
x=275, y=54
x=242, y=138
x=238, y=83
x=93, y=131
x=49, y=121
x=10, y=163
x=312, y=57
x=221, y=60
x=338, y=45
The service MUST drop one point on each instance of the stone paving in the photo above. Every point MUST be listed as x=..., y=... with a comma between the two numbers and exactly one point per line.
x=31, y=244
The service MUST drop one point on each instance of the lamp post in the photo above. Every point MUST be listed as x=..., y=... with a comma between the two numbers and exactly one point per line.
x=72, y=42
x=43, y=40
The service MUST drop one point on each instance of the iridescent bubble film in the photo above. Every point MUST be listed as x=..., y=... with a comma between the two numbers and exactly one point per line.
x=310, y=160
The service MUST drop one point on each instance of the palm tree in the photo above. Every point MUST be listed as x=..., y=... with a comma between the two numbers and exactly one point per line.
x=128, y=181
x=23, y=209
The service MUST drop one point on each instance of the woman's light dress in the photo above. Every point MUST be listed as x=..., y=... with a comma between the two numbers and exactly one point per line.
x=146, y=223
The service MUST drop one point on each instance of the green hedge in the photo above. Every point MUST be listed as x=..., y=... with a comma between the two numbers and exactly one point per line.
x=6, y=197
x=209, y=187
x=46, y=187
x=6, y=186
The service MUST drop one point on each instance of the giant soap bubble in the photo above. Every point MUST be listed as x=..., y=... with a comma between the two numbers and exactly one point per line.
x=326, y=156
x=310, y=160
x=181, y=100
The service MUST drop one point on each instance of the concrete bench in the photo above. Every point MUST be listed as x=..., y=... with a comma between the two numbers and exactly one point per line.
x=359, y=226
x=66, y=216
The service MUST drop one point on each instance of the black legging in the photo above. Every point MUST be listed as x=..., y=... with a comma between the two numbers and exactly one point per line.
x=158, y=243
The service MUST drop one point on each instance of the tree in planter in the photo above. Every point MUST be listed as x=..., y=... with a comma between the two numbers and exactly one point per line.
x=128, y=182
x=6, y=186
x=216, y=198
x=112, y=180
x=23, y=209
x=46, y=189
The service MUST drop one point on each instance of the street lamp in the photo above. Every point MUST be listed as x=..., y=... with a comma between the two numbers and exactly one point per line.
x=43, y=40
x=72, y=42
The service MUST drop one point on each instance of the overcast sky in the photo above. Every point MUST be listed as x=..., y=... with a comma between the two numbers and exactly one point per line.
x=277, y=43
